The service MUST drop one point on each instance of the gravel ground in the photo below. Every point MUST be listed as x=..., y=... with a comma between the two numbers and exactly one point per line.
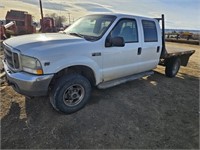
x=154, y=112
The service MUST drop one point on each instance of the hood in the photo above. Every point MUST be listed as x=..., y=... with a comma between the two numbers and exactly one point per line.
x=38, y=42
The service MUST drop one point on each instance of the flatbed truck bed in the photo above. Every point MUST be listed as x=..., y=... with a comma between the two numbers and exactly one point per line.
x=172, y=57
x=174, y=51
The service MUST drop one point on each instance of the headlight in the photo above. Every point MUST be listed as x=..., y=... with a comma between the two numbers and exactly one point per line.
x=31, y=65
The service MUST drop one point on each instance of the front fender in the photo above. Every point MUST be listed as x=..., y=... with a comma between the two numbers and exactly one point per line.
x=61, y=64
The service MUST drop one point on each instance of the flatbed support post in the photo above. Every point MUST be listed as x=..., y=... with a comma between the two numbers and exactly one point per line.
x=163, y=32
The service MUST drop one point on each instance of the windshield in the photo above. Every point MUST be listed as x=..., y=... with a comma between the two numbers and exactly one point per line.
x=91, y=27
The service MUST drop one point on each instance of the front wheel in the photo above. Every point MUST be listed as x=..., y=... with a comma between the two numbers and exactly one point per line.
x=70, y=93
x=172, y=67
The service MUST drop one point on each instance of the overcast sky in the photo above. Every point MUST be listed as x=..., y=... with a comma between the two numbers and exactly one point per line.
x=180, y=14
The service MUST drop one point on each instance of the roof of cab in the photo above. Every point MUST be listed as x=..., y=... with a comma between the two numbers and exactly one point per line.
x=122, y=15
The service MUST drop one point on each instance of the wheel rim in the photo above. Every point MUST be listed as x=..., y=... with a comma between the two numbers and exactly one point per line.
x=73, y=95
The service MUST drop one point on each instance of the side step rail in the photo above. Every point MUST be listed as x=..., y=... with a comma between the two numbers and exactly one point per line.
x=115, y=82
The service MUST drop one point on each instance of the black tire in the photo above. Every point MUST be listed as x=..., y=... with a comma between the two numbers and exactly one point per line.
x=70, y=93
x=172, y=67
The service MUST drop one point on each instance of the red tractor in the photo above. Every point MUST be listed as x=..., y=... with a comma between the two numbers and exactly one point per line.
x=23, y=22
x=47, y=25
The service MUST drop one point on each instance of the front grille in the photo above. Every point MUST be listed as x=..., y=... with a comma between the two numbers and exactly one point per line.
x=12, y=58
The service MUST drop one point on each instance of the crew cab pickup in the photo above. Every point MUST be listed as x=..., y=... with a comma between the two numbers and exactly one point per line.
x=100, y=50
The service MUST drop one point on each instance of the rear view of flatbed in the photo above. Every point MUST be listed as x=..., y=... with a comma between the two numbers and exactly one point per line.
x=172, y=57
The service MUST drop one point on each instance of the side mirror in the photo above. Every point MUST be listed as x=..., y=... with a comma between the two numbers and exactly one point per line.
x=116, y=41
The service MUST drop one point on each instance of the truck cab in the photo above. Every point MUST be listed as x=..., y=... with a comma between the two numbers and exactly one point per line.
x=141, y=49
x=100, y=50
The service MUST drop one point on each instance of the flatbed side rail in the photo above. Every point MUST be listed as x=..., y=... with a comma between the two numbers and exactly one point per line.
x=184, y=56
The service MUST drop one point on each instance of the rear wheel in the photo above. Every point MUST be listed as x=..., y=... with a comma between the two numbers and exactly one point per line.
x=172, y=67
x=70, y=93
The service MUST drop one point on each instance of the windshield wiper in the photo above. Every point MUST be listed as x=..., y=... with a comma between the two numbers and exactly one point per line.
x=77, y=34
x=86, y=37
x=91, y=38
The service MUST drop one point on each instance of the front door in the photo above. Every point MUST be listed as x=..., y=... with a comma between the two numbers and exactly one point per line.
x=122, y=61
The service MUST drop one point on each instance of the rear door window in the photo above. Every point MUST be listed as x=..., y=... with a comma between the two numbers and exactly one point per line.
x=150, y=31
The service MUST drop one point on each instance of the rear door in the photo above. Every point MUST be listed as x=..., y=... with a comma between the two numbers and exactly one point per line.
x=122, y=61
x=151, y=44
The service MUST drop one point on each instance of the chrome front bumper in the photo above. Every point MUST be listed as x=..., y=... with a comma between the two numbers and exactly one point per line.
x=28, y=84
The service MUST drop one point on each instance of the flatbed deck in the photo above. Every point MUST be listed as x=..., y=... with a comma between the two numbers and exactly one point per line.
x=175, y=51
x=170, y=52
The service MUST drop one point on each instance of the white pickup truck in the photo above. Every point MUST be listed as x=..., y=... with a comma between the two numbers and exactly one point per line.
x=100, y=50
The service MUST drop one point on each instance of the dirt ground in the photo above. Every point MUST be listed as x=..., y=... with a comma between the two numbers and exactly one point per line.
x=153, y=112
